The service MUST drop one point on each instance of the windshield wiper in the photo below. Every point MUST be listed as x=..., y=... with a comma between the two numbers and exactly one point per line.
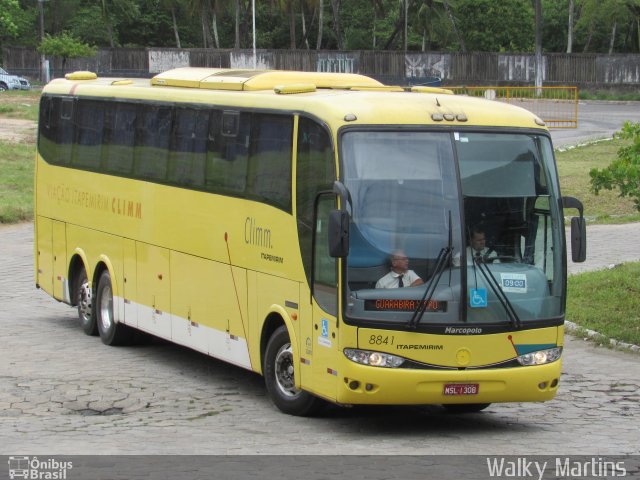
x=444, y=258
x=502, y=297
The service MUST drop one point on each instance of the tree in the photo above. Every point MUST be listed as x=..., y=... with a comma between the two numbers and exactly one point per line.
x=624, y=172
x=430, y=17
x=9, y=9
x=570, y=27
x=65, y=46
x=452, y=19
x=173, y=6
x=492, y=26
x=337, y=23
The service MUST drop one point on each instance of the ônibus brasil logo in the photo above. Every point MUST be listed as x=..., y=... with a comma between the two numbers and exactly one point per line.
x=36, y=469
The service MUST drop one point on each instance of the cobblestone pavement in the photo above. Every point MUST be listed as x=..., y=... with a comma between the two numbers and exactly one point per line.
x=62, y=392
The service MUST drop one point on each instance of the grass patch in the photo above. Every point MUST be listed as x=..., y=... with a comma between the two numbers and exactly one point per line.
x=20, y=104
x=607, y=301
x=573, y=169
x=612, y=95
x=16, y=182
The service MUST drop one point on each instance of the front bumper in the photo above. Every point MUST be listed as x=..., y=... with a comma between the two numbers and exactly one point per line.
x=363, y=384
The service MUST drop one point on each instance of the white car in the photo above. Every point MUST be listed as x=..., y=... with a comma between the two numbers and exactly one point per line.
x=12, y=82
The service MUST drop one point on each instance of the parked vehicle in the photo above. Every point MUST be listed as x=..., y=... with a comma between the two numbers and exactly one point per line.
x=12, y=82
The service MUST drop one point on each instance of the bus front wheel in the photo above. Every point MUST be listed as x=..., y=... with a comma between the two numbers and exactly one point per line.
x=278, y=370
x=84, y=298
x=111, y=332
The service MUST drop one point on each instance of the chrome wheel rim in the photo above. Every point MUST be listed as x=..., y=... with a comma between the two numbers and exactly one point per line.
x=284, y=372
x=84, y=302
x=106, y=308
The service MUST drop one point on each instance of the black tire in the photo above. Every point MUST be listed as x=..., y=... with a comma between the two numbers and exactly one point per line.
x=466, y=407
x=111, y=332
x=3, y=87
x=278, y=377
x=84, y=302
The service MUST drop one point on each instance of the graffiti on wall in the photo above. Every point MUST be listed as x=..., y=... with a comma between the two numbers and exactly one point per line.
x=246, y=60
x=426, y=66
x=163, y=60
x=337, y=62
x=519, y=68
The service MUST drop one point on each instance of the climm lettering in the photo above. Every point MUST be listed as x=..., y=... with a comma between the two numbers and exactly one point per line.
x=255, y=234
x=126, y=208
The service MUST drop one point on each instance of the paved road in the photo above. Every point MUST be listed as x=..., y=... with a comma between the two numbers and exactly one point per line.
x=62, y=392
x=596, y=120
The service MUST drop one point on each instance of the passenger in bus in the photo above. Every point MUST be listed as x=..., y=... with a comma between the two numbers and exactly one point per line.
x=400, y=275
x=477, y=249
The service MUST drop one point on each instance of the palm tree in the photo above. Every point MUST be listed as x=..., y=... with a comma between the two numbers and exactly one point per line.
x=337, y=23
x=172, y=6
x=570, y=29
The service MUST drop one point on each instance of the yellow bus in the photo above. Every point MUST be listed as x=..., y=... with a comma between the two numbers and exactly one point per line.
x=315, y=228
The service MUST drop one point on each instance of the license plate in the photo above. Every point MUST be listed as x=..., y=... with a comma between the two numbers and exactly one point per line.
x=461, y=389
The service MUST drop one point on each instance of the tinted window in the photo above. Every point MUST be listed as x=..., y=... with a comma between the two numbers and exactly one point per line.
x=314, y=173
x=239, y=153
x=152, y=143
x=89, y=121
x=269, y=175
x=188, y=147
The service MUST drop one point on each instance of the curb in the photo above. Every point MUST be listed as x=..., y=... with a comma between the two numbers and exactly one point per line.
x=591, y=335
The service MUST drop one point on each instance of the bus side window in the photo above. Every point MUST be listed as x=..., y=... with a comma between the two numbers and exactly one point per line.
x=227, y=155
x=152, y=143
x=89, y=120
x=188, y=147
x=47, y=133
x=65, y=133
x=119, y=144
x=269, y=175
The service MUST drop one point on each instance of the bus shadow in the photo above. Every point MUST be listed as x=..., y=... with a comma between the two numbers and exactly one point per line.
x=212, y=373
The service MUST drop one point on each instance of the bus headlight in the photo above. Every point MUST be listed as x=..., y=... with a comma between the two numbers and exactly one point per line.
x=374, y=359
x=540, y=357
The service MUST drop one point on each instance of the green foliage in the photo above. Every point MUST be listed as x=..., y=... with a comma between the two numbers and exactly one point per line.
x=490, y=26
x=9, y=10
x=65, y=46
x=624, y=172
x=554, y=25
x=595, y=21
x=433, y=25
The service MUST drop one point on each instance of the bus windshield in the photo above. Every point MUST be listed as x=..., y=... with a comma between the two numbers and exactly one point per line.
x=491, y=198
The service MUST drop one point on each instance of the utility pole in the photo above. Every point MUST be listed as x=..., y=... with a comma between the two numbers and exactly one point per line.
x=406, y=24
x=253, y=9
x=44, y=69
x=538, y=47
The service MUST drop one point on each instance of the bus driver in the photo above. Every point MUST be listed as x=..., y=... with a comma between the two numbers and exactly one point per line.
x=400, y=275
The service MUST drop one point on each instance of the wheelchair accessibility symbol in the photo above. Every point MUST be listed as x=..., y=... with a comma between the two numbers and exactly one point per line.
x=478, y=297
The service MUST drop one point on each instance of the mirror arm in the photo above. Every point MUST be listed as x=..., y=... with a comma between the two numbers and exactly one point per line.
x=342, y=192
x=572, y=202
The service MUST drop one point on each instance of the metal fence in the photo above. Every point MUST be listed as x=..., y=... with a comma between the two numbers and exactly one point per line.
x=556, y=106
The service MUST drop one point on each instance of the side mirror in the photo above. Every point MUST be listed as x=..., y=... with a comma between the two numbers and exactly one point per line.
x=578, y=230
x=338, y=233
x=578, y=239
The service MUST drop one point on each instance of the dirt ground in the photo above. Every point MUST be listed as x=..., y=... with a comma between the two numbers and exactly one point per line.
x=17, y=131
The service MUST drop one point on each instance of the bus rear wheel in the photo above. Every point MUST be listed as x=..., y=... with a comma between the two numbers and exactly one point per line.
x=465, y=407
x=278, y=370
x=111, y=332
x=84, y=299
